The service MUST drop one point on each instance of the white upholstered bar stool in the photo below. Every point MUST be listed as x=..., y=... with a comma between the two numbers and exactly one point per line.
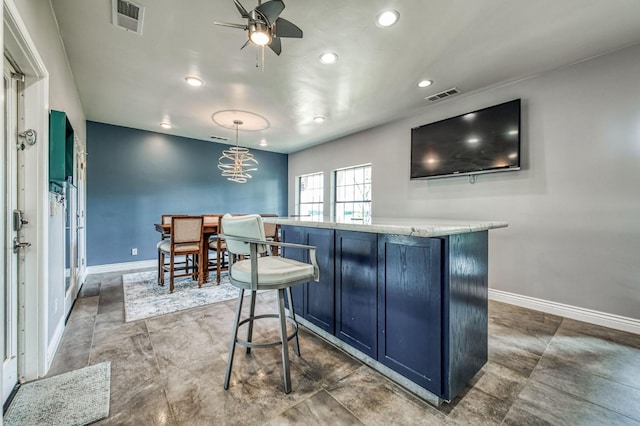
x=261, y=271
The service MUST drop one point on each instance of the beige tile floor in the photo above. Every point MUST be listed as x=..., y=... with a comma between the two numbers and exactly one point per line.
x=169, y=370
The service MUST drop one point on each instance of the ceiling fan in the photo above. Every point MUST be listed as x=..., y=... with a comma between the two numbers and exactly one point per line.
x=264, y=24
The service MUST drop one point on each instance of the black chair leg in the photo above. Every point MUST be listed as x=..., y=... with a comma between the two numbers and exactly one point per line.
x=252, y=311
x=234, y=338
x=285, y=342
x=296, y=343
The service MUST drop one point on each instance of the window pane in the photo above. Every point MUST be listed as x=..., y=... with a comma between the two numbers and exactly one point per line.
x=310, y=195
x=353, y=194
x=348, y=176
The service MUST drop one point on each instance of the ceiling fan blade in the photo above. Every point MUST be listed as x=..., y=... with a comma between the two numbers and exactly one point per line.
x=271, y=10
x=245, y=44
x=284, y=28
x=241, y=9
x=227, y=24
x=276, y=45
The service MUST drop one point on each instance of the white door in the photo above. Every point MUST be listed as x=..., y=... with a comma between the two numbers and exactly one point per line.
x=14, y=248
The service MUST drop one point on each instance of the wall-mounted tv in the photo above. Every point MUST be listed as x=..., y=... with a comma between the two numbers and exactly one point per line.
x=483, y=141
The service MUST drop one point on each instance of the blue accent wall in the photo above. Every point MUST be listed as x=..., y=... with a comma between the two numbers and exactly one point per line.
x=135, y=176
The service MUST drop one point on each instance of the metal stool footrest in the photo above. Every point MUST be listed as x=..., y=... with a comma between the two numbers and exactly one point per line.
x=267, y=344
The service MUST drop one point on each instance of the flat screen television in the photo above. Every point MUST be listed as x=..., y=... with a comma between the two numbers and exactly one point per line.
x=483, y=141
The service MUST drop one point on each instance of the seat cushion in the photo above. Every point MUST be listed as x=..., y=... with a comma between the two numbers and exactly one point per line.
x=272, y=270
x=213, y=245
x=179, y=248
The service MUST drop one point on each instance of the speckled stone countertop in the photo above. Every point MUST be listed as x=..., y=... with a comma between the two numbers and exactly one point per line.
x=396, y=226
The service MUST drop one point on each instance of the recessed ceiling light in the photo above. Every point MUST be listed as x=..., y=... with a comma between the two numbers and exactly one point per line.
x=425, y=83
x=387, y=18
x=194, y=81
x=165, y=125
x=318, y=119
x=328, y=58
x=263, y=142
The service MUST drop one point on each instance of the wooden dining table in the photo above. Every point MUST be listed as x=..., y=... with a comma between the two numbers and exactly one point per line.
x=208, y=230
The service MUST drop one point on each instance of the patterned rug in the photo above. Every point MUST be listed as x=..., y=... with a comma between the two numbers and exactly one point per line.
x=144, y=298
x=75, y=398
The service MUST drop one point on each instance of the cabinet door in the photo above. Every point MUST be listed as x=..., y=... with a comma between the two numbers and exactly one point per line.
x=409, y=302
x=295, y=235
x=356, y=290
x=319, y=305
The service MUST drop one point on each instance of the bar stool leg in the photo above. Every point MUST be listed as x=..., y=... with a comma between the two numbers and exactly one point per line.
x=234, y=338
x=285, y=342
x=296, y=343
x=252, y=311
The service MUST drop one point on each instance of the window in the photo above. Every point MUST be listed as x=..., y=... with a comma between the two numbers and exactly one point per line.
x=353, y=194
x=310, y=195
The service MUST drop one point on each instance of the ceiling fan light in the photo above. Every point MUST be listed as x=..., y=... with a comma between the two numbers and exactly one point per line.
x=259, y=34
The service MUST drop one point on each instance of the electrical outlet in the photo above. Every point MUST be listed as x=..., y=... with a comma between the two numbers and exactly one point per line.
x=134, y=252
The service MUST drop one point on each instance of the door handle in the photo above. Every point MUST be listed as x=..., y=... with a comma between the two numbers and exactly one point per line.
x=17, y=245
x=18, y=220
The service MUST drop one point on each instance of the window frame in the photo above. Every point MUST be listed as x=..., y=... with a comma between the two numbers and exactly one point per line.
x=319, y=191
x=365, y=204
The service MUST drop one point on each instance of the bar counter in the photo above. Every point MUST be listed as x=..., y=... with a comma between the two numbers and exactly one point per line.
x=408, y=297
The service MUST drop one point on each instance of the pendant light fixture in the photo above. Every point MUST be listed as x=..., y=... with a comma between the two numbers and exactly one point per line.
x=236, y=162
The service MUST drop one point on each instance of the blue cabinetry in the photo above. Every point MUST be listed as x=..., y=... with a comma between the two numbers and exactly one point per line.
x=356, y=285
x=314, y=301
x=415, y=305
x=410, y=308
x=319, y=297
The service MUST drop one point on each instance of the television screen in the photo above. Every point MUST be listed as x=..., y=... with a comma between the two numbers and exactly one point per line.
x=483, y=141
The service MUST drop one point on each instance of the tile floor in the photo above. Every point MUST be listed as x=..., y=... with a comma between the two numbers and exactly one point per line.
x=169, y=370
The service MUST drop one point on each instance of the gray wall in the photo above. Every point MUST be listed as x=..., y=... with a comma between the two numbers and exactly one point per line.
x=135, y=176
x=573, y=212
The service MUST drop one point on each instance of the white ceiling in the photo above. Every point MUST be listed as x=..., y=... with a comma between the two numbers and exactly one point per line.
x=138, y=80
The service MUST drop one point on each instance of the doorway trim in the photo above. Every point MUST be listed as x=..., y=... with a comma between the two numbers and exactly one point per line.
x=33, y=361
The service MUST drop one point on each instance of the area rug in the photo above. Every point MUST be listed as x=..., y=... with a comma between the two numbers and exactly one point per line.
x=144, y=298
x=75, y=398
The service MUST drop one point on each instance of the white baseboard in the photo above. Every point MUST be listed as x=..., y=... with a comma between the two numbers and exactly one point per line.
x=116, y=267
x=53, y=344
x=604, y=319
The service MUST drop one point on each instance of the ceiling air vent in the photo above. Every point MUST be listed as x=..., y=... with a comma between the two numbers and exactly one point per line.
x=443, y=94
x=127, y=15
x=219, y=139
